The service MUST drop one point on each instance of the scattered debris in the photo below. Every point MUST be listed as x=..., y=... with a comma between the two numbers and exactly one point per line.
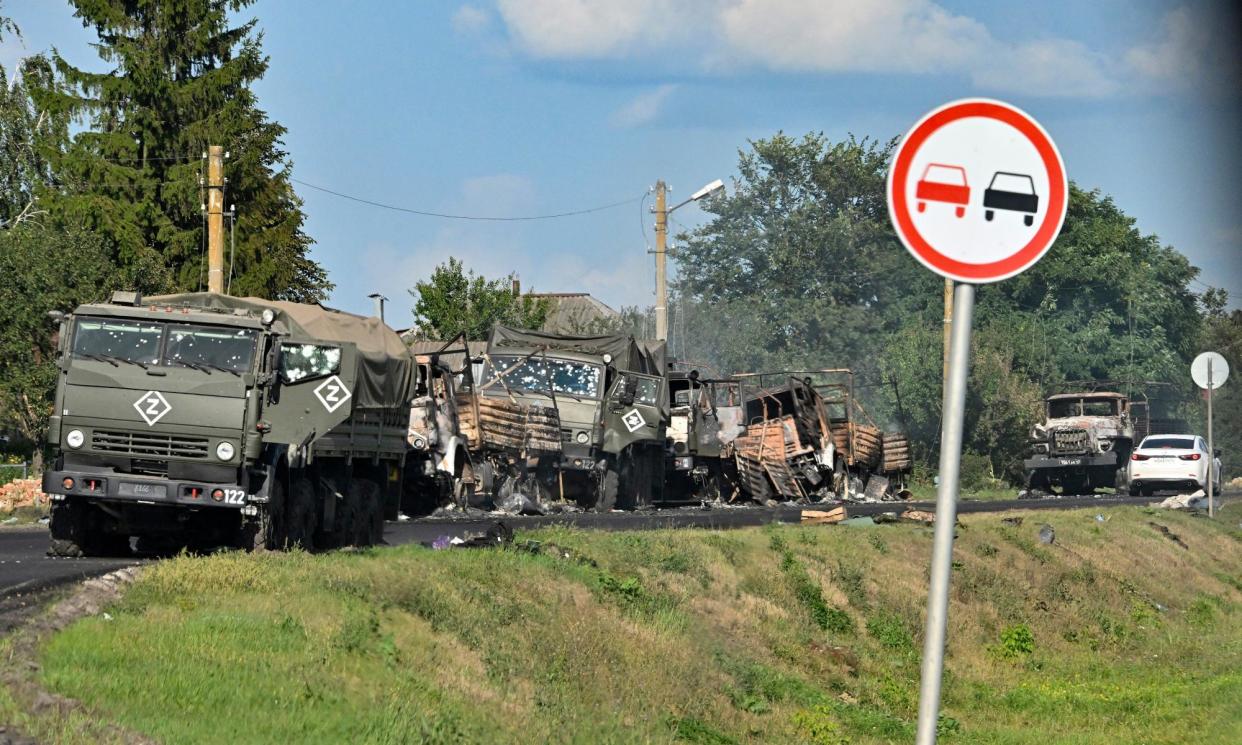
x=1170, y=535
x=1047, y=535
x=858, y=522
x=1100, y=518
x=497, y=535
x=517, y=503
x=919, y=516
x=820, y=517
x=22, y=493
x=1014, y=521
x=1196, y=501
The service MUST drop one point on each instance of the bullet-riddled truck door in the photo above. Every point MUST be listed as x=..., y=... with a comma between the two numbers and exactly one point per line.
x=314, y=392
x=633, y=411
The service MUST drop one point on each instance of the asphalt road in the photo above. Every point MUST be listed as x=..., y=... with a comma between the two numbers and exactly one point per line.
x=25, y=568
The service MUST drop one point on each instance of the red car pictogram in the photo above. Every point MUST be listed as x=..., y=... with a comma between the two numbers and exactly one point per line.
x=943, y=183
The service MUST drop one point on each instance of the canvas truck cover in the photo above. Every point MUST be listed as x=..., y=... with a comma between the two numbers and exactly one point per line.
x=641, y=356
x=385, y=364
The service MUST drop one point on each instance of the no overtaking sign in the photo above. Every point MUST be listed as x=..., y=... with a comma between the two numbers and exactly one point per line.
x=977, y=191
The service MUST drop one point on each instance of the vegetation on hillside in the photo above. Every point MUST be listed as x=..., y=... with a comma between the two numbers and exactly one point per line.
x=1114, y=633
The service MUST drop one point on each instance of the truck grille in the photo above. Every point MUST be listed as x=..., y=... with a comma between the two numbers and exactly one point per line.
x=1069, y=441
x=149, y=444
x=567, y=435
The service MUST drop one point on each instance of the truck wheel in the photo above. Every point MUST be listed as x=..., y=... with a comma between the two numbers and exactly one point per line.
x=66, y=530
x=606, y=488
x=300, y=514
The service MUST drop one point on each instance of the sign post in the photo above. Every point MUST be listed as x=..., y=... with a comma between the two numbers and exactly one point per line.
x=1209, y=371
x=970, y=236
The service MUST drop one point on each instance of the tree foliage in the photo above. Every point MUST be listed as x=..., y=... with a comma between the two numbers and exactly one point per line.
x=456, y=301
x=181, y=80
x=800, y=269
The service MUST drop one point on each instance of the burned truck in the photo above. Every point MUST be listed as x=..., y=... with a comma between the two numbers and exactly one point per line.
x=705, y=416
x=610, y=403
x=1083, y=442
x=807, y=437
x=201, y=419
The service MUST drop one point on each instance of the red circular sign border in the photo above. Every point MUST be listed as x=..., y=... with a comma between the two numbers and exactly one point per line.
x=1048, y=229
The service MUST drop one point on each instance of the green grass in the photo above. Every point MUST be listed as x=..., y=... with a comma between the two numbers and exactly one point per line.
x=775, y=634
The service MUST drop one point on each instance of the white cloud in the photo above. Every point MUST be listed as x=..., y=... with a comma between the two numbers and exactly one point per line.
x=642, y=109
x=470, y=19
x=916, y=37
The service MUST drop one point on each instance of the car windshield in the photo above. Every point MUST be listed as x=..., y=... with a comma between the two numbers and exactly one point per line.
x=129, y=341
x=204, y=348
x=945, y=175
x=1012, y=182
x=210, y=346
x=1168, y=443
x=536, y=373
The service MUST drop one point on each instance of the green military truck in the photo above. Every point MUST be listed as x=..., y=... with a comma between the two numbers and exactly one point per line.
x=201, y=419
x=611, y=401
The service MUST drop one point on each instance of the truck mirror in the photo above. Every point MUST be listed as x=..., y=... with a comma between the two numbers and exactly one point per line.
x=1217, y=453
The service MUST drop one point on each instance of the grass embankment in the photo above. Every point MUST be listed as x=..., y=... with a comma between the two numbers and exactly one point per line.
x=784, y=634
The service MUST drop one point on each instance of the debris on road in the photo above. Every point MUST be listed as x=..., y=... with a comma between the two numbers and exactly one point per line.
x=22, y=493
x=1196, y=501
x=920, y=516
x=497, y=535
x=820, y=517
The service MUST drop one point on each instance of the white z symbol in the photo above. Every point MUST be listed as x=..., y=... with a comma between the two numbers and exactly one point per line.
x=332, y=393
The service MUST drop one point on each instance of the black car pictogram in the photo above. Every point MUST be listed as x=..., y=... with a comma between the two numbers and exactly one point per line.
x=1014, y=192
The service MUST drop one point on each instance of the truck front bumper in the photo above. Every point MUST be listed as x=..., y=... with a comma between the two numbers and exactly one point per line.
x=1040, y=462
x=151, y=490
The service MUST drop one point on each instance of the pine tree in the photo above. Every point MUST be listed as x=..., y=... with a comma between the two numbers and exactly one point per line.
x=181, y=80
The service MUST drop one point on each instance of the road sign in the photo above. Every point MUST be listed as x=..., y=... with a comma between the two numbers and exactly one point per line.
x=1209, y=365
x=977, y=191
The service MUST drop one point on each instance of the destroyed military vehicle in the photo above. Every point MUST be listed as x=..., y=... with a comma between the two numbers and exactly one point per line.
x=808, y=437
x=201, y=419
x=1083, y=442
x=704, y=417
x=604, y=400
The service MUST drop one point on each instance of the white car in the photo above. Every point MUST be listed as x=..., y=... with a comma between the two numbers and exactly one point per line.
x=1171, y=462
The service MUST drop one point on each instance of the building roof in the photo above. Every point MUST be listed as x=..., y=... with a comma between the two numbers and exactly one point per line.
x=575, y=313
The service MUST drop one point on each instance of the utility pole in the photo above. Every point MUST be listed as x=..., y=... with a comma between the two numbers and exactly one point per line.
x=948, y=324
x=215, y=219
x=661, y=255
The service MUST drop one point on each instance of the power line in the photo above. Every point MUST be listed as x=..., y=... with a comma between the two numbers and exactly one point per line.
x=448, y=216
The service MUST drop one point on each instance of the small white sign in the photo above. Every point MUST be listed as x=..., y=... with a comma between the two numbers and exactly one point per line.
x=152, y=407
x=634, y=420
x=332, y=393
x=1209, y=365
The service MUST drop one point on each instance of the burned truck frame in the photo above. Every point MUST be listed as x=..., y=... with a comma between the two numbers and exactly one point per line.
x=808, y=435
x=200, y=419
x=611, y=411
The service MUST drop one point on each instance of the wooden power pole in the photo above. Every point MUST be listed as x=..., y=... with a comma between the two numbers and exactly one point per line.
x=661, y=254
x=215, y=219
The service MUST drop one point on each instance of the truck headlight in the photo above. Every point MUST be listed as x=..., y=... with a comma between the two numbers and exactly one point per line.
x=582, y=438
x=1105, y=445
x=418, y=442
x=75, y=438
x=224, y=451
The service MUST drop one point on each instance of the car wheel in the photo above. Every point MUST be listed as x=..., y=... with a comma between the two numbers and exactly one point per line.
x=960, y=211
x=922, y=206
x=1029, y=220
x=987, y=215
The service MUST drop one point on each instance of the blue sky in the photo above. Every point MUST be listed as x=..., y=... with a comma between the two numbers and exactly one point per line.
x=521, y=107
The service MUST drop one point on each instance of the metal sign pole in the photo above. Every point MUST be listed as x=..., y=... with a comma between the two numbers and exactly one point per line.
x=1211, y=476
x=946, y=513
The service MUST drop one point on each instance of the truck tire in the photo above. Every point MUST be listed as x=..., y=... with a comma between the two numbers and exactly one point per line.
x=262, y=532
x=607, y=485
x=73, y=535
x=301, y=514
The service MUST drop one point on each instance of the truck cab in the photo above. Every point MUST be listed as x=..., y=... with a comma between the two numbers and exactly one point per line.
x=1082, y=444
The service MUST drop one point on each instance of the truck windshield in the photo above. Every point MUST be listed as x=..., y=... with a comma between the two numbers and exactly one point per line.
x=131, y=341
x=1063, y=408
x=215, y=347
x=150, y=343
x=535, y=374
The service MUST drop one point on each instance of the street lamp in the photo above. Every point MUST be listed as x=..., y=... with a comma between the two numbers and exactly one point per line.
x=662, y=211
